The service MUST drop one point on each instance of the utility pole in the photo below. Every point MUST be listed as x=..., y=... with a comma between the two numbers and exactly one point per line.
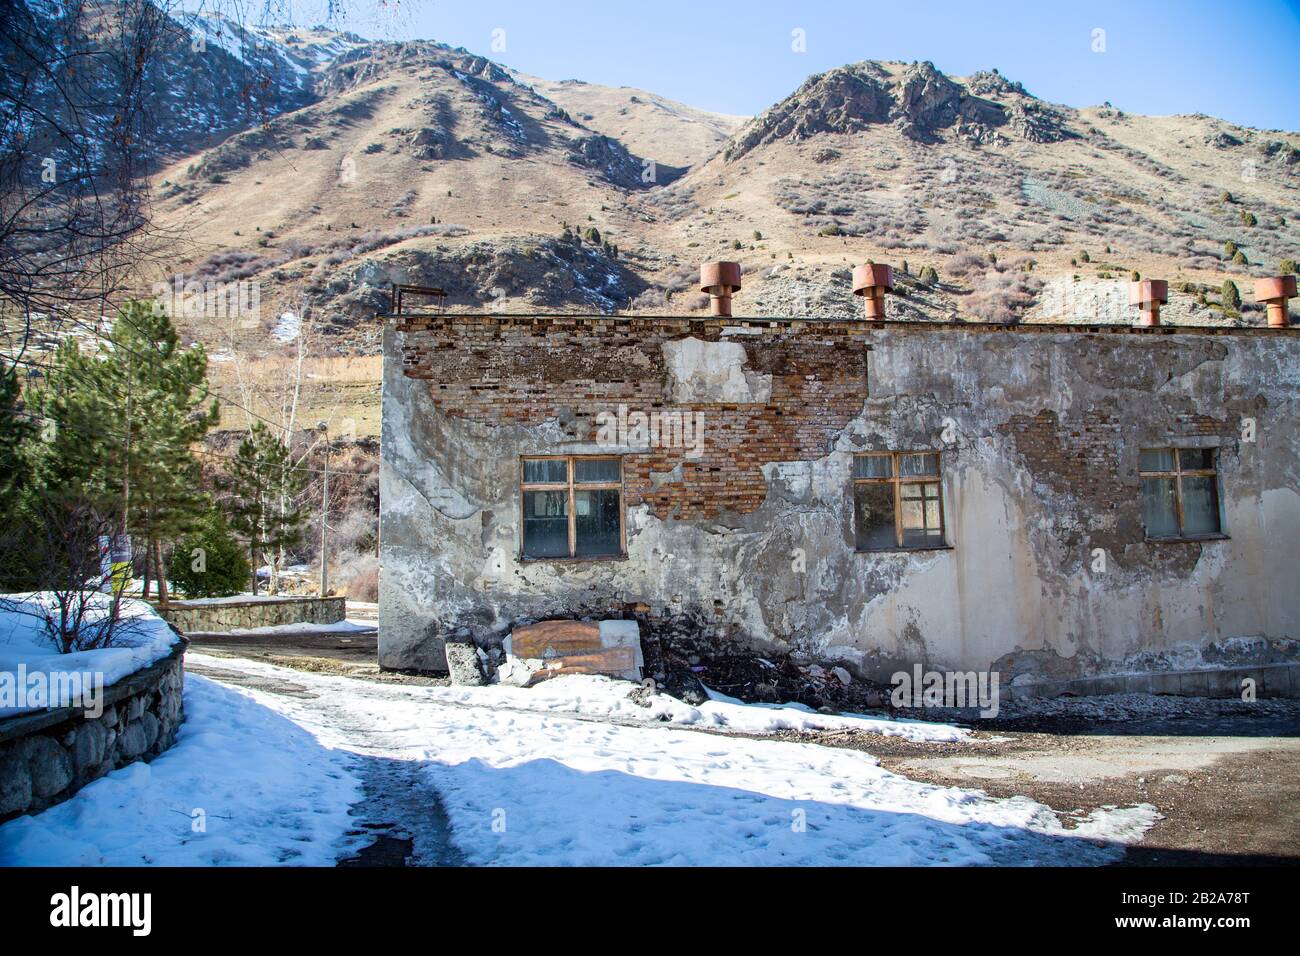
x=325, y=515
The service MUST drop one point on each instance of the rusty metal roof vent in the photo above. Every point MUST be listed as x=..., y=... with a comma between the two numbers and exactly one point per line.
x=720, y=280
x=872, y=281
x=1148, y=295
x=1274, y=292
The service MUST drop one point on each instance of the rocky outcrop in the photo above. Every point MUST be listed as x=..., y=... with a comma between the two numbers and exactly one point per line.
x=927, y=102
x=546, y=271
x=1036, y=122
x=609, y=159
x=921, y=102
x=846, y=100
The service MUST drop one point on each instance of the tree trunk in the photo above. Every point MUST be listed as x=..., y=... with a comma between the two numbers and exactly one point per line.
x=252, y=560
x=148, y=565
x=161, y=567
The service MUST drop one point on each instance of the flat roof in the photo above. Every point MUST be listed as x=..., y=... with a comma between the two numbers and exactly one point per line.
x=911, y=324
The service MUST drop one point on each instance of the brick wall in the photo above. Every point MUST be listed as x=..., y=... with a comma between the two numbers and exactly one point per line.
x=525, y=370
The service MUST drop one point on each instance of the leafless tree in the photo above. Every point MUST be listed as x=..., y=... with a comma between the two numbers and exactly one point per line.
x=76, y=601
x=73, y=198
x=79, y=90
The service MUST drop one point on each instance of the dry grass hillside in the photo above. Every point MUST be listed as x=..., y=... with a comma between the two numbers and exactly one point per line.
x=673, y=134
x=424, y=164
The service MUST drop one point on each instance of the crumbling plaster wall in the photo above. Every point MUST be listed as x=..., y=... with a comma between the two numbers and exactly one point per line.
x=1040, y=432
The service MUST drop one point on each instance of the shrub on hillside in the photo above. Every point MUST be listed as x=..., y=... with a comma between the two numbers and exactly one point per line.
x=1230, y=295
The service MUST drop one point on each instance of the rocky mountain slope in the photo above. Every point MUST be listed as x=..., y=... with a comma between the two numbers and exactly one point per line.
x=416, y=162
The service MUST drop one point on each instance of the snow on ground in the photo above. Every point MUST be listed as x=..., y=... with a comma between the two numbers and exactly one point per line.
x=540, y=787
x=287, y=327
x=143, y=639
x=567, y=773
x=592, y=696
x=270, y=793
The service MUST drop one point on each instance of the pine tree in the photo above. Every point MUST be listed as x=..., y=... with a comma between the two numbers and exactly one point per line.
x=266, y=484
x=16, y=430
x=125, y=419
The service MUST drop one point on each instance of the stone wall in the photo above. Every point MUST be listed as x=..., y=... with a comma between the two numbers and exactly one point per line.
x=1039, y=430
x=228, y=614
x=47, y=757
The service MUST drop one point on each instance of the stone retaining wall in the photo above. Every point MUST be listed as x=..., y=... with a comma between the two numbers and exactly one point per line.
x=1269, y=680
x=216, y=617
x=47, y=757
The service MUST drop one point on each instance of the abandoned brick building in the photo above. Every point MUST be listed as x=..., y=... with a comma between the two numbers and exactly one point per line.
x=1073, y=506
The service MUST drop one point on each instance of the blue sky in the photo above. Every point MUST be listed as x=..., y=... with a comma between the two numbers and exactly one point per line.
x=1237, y=61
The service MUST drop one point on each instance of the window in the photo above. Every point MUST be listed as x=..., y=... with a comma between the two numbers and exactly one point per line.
x=897, y=501
x=1180, y=492
x=572, y=507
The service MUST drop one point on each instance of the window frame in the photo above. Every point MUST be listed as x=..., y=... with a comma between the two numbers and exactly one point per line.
x=897, y=479
x=1177, y=475
x=572, y=486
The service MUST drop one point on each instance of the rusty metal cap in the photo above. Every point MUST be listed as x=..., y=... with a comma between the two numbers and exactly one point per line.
x=1148, y=291
x=872, y=276
x=719, y=275
x=1275, y=287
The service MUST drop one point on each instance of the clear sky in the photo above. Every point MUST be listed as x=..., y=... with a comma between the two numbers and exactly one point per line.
x=1240, y=61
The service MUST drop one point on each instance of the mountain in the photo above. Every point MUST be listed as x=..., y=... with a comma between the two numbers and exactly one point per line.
x=368, y=163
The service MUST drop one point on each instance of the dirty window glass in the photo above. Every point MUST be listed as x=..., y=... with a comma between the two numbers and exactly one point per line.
x=1200, y=505
x=578, y=519
x=597, y=470
x=921, y=525
x=873, y=466
x=546, y=471
x=1180, y=492
x=917, y=465
x=874, y=514
x=596, y=517
x=1156, y=459
x=894, y=506
x=546, y=524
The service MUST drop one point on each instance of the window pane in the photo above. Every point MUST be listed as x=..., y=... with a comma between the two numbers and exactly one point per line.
x=922, y=526
x=872, y=466
x=546, y=471
x=1195, y=459
x=596, y=515
x=912, y=466
x=873, y=517
x=1200, y=506
x=546, y=524
x=1156, y=459
x=1158, y=508
x=597, y=470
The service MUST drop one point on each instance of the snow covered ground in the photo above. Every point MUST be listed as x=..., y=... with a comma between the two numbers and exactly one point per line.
x=143, y=639
x=591, y=696
x=241, y=786
x=561, y=774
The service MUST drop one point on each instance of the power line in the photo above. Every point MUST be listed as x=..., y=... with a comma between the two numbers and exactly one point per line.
x=211, y=454
x=123, y=318
x=160, y=447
